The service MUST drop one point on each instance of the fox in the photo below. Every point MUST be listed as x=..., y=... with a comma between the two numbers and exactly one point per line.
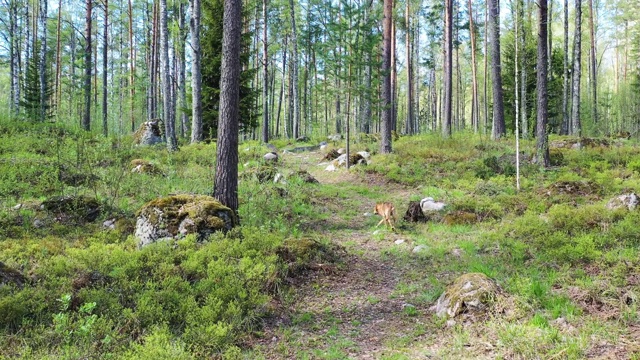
x=388, y=213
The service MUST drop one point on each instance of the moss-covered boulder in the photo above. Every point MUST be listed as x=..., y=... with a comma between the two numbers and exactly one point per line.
x=301, y=254
x=305, y=177
x=179, y=215
x=10, y=276
x=140, y=166
x=149, y=133
x=72, y=208
x=469, y=293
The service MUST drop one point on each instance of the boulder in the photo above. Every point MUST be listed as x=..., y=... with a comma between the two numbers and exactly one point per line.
x=10, y=276
x=342, y=151
x=140, y=166
x=149, y=133
x=365, y=155
x=629, y=201
x=429, y=205
x=176, y=216
x=469, y=293
x=354, y=159
x=72, y=208
x=302, y=139
x=306, y=177
x=334, y=137
x=270, y=157
x=331, y=155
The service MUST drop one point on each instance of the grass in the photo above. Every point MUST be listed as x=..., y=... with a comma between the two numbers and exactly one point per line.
x=568, y=266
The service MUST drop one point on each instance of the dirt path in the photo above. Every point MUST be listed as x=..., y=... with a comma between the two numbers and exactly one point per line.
x=360, y=311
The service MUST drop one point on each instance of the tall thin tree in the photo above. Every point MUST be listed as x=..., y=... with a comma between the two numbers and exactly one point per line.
x=294, y=68
x=385, y=128
x=576, y=126
x=593, y=64
x=542, y=143
x=225, y=187
x=169, y=121
x=265, y=75
x=196, y=74
x=448, y=67
x=499, y=128
x=86, y=118
x=105, y=60
x=565, y=73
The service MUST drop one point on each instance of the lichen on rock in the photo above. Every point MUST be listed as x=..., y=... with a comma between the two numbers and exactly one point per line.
x=149, y=133
x=472, y=292
x=179, y=215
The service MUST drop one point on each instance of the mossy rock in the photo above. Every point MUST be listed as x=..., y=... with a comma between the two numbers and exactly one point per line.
x=305, y=177
x=149, y=133
x=331, y=155
x=301, y=254
x=141, y=166
x=74, y=208
x=263, y=174
x=469, y=293
x=10, y=276
x=556, y=157
x=574, y=188
x=179, y=215
x=460, y=218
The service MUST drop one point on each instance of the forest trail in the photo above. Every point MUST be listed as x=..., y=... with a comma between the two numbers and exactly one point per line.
x=359, y=311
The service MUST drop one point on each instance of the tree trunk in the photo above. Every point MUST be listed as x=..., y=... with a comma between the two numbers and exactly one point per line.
x=43, y=60
x=576, y=126
x=182, y=81
x=594, y=65
x=57, y=91
x=565, y=73
x=153, y=85
x=542, y=145
x=486, y=68
x=226, y=179
x=385, y=143
x=294, y=64
x=15, y=58
x=448, y=67
x=498, y=101
x=265, y=75
x=132, y=69
x=86, y=118
x=409, y=127
x=196, y=74
x=474, y=76
x=524, y=122
x=169, y=121
x=394, y=75
x=105, y=48
x=284, y=67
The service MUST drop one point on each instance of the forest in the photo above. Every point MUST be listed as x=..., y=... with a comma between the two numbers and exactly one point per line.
x=348, y=179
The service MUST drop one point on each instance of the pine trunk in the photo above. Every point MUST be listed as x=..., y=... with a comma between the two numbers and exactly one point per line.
x=594, y=65
x=294, y=64
x=474, y=76
x=86, y=118
x=265, y=76
x=226, y=178
x=385, y=143
x=448, y=67
x=105, y=48
x=576, y=126
x=565, y=73
x=498, y=100
x=43, y=60
x=542, y=144
x=196, y=73
x=169, y=122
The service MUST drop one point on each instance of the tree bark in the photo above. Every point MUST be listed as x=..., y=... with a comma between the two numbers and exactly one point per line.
x=409, y=126
x=498, y=101
x=448, y=67
x=43, y=60
x=105, y=48
x=385, y=143
x=226, y=178
x=15, y=58
x=576, y=126
x=474, y=77
x=294, y=64
x=524, y=122
x=565, y=73
x=182, y=82
x=58, y=65
x=169, y=121
x=265, y=75
x=196, y=74
x=594, y=65
x=132, y=69
x=542, y=144
x=86, y=118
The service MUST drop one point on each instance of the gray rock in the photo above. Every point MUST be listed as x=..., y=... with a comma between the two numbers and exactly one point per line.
x=419, y=248
x=473, y=292
x=272, y=148
x=270, y=157
x=17, y=207
x=342, y=151
x=279, y=178
x=109, y=224
x=149, y=133
x=629, y=201
x=335, y=137
x=429, y=205
x=323, y=143
x=37, y=223
x=399, y=241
